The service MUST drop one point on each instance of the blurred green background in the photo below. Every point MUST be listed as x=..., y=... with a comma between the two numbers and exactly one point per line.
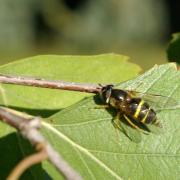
x=139, y=28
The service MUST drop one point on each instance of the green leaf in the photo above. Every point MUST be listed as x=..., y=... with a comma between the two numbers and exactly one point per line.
x=93, y=69
x=86, y=138
x=105, y=68
x=173, y=50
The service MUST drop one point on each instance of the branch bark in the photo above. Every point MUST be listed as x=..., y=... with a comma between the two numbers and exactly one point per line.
x=52, y=84
x=26, y=163
x=28, y=127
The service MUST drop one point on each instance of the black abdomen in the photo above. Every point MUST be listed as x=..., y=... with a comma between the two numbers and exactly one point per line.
x=140, y=111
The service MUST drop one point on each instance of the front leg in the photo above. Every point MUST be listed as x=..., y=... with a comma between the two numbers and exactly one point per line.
x=104, y=106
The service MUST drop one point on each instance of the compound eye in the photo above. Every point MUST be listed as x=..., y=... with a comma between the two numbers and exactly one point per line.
x=106, y=93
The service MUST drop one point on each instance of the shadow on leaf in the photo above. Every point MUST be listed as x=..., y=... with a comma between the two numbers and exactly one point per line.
x=14, y=148
x=44, y=113
x=130, y=132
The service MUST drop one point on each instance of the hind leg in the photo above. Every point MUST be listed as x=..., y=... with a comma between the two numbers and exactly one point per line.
x=134, y=125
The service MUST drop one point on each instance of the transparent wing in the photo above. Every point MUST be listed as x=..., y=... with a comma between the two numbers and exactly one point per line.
x=146, y=128
x=131, y=133
x=155, y=129
x=155, y=100
x=134, y=132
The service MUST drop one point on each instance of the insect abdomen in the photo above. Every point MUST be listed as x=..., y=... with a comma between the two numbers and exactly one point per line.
x=141, y=111
x=148, y=116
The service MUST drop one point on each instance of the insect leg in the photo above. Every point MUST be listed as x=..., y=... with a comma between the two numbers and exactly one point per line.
x=116, y=124
x=133, y=125
x=105, y=106
x=116, y=121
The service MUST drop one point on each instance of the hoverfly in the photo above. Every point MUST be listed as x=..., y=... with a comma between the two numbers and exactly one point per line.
x=134, y=109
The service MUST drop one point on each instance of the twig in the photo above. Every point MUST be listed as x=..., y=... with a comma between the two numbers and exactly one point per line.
x=26, y=163
x=28, y=127
x=52, y=84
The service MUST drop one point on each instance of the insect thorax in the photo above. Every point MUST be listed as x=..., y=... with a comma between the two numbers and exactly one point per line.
x=119, y=95
x=119, y=99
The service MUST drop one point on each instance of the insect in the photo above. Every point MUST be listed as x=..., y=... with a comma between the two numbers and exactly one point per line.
x=135, y=110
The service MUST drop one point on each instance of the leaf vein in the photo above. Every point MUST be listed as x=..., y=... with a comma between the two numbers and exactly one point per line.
x=81, y=123
x=84, y=150
x=85, y=164
x=137, y=154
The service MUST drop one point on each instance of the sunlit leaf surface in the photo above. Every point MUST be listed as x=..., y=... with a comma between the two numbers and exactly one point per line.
x=43, y=102
x=87, y=139
x=105, y=68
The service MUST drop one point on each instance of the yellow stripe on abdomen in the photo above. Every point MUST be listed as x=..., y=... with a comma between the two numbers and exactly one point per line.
x=136, y=114
x=144, y=119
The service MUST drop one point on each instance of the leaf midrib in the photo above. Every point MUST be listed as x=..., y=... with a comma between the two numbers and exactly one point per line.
x=82, y=149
